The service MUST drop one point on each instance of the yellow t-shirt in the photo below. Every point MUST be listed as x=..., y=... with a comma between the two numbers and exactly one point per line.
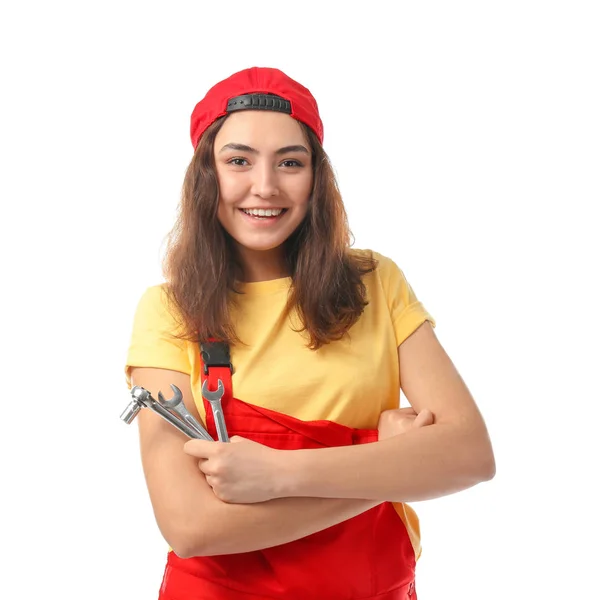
x=350, y=381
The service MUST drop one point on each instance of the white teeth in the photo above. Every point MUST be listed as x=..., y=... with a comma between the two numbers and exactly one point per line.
x=260, y=212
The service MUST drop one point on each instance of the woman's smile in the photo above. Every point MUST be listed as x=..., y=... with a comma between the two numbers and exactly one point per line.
x=263, y=217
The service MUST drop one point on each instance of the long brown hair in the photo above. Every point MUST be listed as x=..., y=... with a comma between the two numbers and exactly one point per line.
x=202, y=269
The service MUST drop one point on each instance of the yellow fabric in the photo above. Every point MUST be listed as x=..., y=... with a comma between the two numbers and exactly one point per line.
x=349, y=381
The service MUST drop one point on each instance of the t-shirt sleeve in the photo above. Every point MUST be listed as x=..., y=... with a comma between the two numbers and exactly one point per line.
x=153, y=342
x=406, y=310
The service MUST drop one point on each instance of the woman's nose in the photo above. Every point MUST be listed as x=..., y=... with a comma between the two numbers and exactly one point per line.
x=265, y=181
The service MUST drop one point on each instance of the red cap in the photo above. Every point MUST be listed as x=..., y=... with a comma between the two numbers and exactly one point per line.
x=296, y=100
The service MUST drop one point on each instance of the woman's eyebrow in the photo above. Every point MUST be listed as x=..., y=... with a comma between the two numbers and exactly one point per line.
x=296, y=148
x=245, y=148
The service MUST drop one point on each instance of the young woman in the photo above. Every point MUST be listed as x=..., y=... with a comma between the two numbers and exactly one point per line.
x=312, y=341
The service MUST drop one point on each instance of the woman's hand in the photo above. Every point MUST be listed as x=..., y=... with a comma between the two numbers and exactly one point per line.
x=241, y=472
x=245, y=472
x=400, y=420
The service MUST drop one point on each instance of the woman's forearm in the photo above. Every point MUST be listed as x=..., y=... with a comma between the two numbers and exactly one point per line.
x=234, y=528
x=421, y=464
x=325, y=486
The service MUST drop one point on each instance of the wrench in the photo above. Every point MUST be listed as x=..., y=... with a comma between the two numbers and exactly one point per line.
x=175, y=404
x=214, y=399
x=143, y=399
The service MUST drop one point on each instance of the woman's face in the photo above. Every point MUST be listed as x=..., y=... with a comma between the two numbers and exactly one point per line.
x=263, y=165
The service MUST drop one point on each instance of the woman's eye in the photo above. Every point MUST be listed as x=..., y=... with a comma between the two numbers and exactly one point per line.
x=291, y=163
x=238, y=162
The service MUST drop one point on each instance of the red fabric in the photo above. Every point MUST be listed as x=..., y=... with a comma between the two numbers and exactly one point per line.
x=367, y=557
x=253, y=81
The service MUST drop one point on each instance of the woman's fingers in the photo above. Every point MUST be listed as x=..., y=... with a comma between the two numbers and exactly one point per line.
x=400, y=420
x=424, y=418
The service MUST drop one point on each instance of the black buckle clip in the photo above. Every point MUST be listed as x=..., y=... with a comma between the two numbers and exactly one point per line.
x=215, y=354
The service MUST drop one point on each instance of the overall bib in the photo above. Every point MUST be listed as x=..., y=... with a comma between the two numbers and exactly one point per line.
x=368, y=557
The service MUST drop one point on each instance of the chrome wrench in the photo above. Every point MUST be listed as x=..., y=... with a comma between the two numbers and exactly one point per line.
x=215, y=401
x=143, y=399
x=177, y=405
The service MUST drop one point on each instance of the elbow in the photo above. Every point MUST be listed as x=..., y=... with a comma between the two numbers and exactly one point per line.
x=183, y=550
x=191, y=549
x=489, y=468
x=484, y=463
x=200, y=537
x=187, y=548
x=185, y=543
x=182, y=546
x=192, y=543
x=484, y=470
x=476, y=453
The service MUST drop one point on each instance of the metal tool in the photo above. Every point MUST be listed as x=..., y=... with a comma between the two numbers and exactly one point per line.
x=143, y=399
x=215, y=401
x=177, y=405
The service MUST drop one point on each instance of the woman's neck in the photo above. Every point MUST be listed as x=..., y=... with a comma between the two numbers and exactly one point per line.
x=263, y=265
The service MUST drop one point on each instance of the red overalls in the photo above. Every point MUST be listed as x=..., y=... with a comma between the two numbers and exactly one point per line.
x=367, y=557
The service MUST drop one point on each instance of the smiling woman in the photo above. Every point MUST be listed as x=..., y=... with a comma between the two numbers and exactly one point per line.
x=267, y=167
x=266, y=302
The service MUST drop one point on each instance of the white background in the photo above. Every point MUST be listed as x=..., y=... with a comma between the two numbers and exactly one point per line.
x=464, y=139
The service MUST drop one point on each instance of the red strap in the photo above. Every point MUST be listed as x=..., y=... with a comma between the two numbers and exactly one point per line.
x=224, y=374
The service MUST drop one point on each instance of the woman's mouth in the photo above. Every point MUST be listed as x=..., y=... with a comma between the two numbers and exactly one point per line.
x=264, y=214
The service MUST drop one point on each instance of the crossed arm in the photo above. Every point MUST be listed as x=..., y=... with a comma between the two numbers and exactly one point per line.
x=245, y=496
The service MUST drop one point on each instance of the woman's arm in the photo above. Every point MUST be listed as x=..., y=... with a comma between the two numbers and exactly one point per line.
x=190, y=517
x=450, y=455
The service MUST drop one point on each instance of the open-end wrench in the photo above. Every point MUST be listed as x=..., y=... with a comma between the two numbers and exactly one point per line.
x=177, y=405
x=214, y=399
x=143, y=399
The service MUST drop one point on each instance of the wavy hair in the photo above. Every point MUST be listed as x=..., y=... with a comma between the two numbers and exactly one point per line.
x=202, y=270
